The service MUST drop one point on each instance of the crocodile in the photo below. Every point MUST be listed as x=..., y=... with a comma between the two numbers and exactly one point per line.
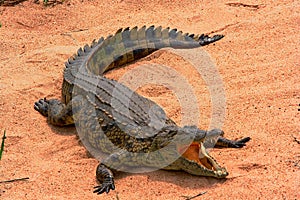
x=92, y=102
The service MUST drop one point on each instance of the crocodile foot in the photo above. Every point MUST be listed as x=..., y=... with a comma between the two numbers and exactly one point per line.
x=106, y=178
x=224, y=142
x=42, y=106
x=106, y=186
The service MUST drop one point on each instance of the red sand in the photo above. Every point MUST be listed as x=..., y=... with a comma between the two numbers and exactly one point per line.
x=258, y=60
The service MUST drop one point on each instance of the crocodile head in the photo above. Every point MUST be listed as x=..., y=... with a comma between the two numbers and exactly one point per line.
x=190, y=144
x=199, y=162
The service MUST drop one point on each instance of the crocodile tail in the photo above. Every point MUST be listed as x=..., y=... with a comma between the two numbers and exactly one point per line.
x=128, y=45
x=125, y=46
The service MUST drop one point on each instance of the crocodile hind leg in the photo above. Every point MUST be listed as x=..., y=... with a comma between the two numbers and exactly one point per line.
x=57, y=112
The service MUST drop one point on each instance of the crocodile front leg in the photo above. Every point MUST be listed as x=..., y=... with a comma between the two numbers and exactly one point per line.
x=106, y=178
x=104, y=174
x=224, y=142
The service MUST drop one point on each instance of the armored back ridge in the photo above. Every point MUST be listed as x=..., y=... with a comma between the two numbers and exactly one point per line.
x=130, y=138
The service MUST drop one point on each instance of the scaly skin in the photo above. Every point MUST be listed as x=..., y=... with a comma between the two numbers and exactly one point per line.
x=88, y=101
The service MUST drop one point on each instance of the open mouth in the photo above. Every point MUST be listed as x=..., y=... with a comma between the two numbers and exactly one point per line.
x=197, y=153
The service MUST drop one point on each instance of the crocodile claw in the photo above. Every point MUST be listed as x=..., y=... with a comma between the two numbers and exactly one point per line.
x=242, y=142
x=42, y=106
x=224, y=142
x=104, y=187
x=239, y=143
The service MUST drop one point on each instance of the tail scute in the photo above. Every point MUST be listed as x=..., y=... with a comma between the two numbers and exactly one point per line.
x=128, y=44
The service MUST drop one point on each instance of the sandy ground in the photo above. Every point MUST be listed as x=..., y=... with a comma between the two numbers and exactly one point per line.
x=258, y=61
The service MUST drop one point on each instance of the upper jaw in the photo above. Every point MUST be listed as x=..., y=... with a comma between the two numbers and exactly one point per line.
x=207, y=165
